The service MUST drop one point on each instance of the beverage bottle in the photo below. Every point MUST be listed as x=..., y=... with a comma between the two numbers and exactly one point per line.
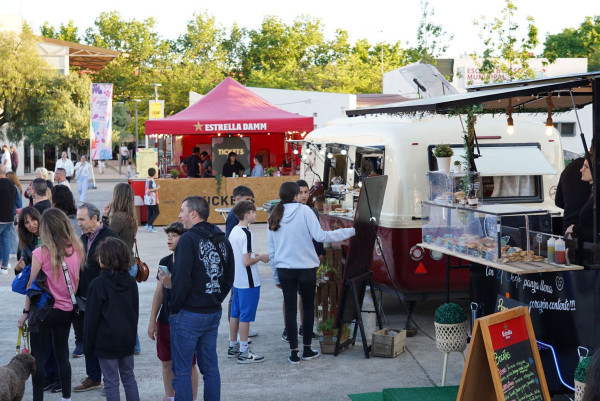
x=550, y=245
x=559, y=252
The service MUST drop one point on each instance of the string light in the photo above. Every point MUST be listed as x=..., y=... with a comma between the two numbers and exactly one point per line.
x=549, y=123
x=510, y=129
x=322, y=151
x=344, y=152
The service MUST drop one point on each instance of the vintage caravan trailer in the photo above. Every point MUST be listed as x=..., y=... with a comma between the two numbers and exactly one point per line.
x=523, y=168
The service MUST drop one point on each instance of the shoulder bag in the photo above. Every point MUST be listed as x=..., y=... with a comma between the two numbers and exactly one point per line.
x=143, y=271
x=77, y=308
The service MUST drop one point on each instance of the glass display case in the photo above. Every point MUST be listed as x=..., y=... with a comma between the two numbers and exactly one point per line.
x=449, y=187
x=501, y=233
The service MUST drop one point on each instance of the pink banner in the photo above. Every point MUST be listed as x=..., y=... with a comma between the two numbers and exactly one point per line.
x=101, y=122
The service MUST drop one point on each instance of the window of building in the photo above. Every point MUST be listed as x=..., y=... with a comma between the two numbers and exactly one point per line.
x=565, y=129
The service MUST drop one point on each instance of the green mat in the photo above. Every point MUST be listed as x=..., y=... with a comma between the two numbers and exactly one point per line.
x=447, y=393
x=366, y=397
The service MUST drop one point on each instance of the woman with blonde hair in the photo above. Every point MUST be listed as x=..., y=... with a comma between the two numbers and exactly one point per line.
x=57, y=262
x=119, y=215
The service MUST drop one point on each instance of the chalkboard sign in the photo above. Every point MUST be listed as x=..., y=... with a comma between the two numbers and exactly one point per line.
x=503, y=362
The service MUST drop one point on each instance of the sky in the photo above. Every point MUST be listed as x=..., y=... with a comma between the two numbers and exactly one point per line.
x=376, y=20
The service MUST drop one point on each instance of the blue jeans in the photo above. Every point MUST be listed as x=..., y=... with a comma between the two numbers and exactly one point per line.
x=5, y=243
x=195, y=332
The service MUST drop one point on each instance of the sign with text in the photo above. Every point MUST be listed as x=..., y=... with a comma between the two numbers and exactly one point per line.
x=503, y=362
x=101, y=121
x=221, y=147
x=156, y=109
x=146, y=158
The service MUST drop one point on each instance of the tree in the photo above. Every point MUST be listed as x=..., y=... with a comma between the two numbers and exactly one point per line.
x=23, y=82
x=505, y=54
x=67, y=32
x=583, y=41
x=121, y=120
x=431, y=38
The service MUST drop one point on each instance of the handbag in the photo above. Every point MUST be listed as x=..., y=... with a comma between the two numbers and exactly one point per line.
x=143, y=271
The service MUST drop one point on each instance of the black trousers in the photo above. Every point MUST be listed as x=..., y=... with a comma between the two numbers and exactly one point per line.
x=153, y=213
x=293, y=281
x=54, y=328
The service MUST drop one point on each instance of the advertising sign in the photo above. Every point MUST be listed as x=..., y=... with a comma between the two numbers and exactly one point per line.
x=221, y=148
x=146, y=158
x=156, y=109
x=101, y=121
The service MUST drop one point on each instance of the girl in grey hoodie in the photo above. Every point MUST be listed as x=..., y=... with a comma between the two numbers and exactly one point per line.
x=292, y=227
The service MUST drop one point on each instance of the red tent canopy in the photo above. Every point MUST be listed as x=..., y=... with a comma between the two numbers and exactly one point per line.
x=230, y=108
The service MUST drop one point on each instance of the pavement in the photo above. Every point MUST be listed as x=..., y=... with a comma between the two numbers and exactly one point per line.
x=324, y=378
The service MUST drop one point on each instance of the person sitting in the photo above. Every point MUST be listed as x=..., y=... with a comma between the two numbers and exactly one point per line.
x=232, y=166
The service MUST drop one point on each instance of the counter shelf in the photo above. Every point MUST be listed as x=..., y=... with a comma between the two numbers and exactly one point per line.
x=497, y=233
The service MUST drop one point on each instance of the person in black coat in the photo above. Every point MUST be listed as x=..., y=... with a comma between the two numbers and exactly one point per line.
x=112, y=312
x=232, y=166
x=94, y=232
x=572, y=193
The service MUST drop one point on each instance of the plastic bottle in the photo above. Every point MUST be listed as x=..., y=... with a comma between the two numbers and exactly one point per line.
x=550, y=244
x=559, y=252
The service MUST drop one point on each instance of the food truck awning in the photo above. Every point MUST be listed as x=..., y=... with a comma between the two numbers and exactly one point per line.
x=515, y=160
x=230, y=108
x=525, y=96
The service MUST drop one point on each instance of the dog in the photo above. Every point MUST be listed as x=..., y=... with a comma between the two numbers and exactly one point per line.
x=14, y=375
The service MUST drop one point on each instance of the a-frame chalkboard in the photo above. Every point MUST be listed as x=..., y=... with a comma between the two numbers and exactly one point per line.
x=503, y=362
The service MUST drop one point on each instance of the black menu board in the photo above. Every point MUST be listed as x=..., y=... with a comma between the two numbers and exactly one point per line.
x=503, y=362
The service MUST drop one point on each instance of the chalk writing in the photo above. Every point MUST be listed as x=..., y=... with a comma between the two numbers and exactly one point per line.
x=560, y=305
x=536, y=286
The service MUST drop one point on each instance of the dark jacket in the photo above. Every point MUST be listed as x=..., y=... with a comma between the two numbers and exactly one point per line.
x=111, y=316
x=572, y=193
x=92, y=269
x=199, y=281
x=584, y=227
x=7, y=200
x=319, y=249
x=165, y=308
x=230, y=222
x=193, y=169
x=229, y=169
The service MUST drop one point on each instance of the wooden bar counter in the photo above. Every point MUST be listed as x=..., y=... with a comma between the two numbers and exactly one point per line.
x=172, y=192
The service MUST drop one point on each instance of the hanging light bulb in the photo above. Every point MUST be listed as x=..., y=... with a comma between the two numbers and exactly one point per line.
x=304, y=156
x=330, y=155
x=344, y=152
x=322, y=151
x=549, y=123
x=510, y=129
x=295, y=151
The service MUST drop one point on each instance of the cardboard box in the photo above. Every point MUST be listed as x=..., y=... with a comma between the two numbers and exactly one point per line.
x=387, y=346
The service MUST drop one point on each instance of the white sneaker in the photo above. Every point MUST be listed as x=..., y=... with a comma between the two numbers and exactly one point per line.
x=3, y=270
x=251, y=333
x=249, y=357
x=9, y=266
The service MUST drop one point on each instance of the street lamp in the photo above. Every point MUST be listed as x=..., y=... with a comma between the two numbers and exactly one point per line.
x=136, y=101
x=155, y=90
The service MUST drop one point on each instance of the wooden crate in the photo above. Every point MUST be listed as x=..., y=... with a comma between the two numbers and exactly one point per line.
x=326, y=299
x=388, y=346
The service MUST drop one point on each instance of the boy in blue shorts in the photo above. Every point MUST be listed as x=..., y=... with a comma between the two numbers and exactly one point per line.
x=246, y=284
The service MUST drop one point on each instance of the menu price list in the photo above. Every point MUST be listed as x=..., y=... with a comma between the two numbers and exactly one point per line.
x=518, y=373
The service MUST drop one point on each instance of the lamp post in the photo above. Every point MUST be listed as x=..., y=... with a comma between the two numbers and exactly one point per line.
x=119, y=151
x=136, y=101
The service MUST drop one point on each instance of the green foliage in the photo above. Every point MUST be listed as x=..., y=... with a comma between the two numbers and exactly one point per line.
x=67, y=32
x=431, y=39
x=443, y=150
x=324, y=269
x=174, y=173
x=582, y=369
x=449, y=313
x=457, y=162
x=504, y=50
x=327, y=327
x=583, y=41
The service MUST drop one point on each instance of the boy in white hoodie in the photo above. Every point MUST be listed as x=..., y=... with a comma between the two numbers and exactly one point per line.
x=292, y=227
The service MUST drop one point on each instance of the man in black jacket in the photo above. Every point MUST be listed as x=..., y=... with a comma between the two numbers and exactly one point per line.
x=202, y=277
x=88, y=219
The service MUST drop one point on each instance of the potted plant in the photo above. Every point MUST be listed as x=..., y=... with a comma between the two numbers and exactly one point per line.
x=174, y=173
x=326, y=331
x=443, y=153
x=450, y=328
x=580, y=375
x=218, y=179
x=326, y=272
x=269, y=172
x=457, y=166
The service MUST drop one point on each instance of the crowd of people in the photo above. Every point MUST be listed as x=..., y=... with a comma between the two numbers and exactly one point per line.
x=83, y=259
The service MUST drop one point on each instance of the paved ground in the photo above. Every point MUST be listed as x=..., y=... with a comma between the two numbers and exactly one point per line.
x=325, y=378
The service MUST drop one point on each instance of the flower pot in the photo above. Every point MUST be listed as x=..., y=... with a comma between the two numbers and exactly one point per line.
x=443, y=164
x=327, y=343
x=473, y=201
x=451, y=337
x=457, y=168
x=579, y=390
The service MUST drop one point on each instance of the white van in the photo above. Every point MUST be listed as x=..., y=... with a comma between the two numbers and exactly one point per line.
x=522, y=168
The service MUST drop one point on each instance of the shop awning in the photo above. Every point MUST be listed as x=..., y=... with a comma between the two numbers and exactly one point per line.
x=510, y=160
x=230, y=108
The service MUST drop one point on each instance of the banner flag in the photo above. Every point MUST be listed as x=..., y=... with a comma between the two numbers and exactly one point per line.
x=101, y=122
